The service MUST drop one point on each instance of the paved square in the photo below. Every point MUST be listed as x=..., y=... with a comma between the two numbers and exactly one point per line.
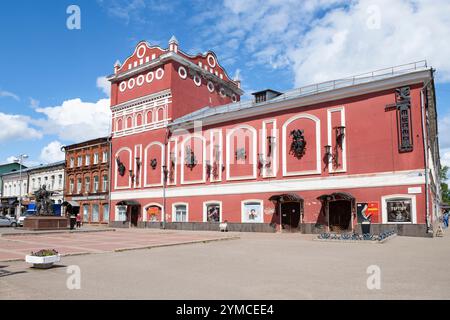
x=255, y=266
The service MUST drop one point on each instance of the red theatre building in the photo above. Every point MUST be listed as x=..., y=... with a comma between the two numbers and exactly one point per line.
x=188, y=154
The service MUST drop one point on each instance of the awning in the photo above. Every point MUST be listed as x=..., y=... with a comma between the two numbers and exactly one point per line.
x=286, y=197
x=70, y=203
x=128, y=203
x=336, y=196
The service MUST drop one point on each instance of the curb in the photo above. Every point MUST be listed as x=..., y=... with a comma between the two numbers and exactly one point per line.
x=39, y=233
x=175, y=244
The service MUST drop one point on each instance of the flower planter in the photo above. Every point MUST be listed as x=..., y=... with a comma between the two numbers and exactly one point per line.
x=42, y=262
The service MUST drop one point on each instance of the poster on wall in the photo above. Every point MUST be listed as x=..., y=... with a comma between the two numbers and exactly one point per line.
x=152, y=213
x=213, y=213
x=399, y=210
x=252, y=212
x=368, y=211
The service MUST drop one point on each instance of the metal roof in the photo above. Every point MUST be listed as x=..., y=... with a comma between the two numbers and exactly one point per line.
x=306, y=91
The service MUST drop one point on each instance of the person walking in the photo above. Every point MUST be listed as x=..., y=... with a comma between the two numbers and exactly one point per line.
x=445, y=220
x=78, y=221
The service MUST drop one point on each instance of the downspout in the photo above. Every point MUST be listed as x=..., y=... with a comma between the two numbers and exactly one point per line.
x=425, y=144
x=109, y=162
x=165, y=175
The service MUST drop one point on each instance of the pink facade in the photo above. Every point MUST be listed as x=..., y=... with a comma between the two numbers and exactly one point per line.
x=244, y=162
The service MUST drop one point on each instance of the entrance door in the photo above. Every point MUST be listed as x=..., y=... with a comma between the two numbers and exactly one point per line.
x=134, y=216
x=290, y=215
x=340, y=215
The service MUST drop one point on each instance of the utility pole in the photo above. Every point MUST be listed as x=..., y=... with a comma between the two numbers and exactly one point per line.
x=20, y=160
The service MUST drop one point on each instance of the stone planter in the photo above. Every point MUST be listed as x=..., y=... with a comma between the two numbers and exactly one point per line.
x=42, y=262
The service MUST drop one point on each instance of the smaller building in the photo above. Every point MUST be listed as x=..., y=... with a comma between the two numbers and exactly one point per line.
x=86, y=189
x=14, y=188
x=52, y=176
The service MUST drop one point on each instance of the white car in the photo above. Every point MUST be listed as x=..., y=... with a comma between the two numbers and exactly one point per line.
x=22, y=218
x=8, y=222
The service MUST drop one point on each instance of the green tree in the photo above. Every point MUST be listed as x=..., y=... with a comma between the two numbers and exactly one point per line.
x=444, y=185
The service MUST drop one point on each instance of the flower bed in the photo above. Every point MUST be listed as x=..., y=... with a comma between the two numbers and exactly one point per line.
x=357, y=237
x=43, y=259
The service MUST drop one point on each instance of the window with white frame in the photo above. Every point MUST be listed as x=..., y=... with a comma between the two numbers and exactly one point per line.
x=105, y=157
x=60, y=181
x=399, y=209
x=79, y=184
x=88, y=160
x=121, y=213
x=212, y=212
x=179, y=213
x=87, y=184
x=52, y=179
x=71, y=185
x=252, y=211
x=96, y=158
x=105, y=182
x=79, y=161
x=72, y=162
x=96, y=184
x=105, y=213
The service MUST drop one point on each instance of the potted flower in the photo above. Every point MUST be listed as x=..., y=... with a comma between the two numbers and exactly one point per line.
x=43, y=259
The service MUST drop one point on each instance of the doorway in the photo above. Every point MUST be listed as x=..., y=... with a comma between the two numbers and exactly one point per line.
x=339, y=215
x=134, y=216
x=290, y=215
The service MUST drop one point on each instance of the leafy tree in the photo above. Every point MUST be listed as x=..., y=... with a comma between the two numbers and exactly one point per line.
x=444, y=185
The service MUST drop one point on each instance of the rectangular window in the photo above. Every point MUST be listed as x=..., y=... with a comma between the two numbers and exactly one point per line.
x=95, y=213
x=79, y=185
x=121, y=213
x=96, y=158
x=180, y=213
x=87, y=184
x=105, y=213
x=71, y=185
x=79, y=161
x=88, y=160
x=105, y=156
x=86, y=213
x=399, y=210
x=213, y=212
x=96, y=184
x=33, y=184
x=52, y=179
x=105, y=183
x=72, y=162
x=60, y=181
x=252, y=212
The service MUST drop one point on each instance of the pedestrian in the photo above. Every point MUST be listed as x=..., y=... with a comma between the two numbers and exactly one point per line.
x=78, y=221
x=445, y=220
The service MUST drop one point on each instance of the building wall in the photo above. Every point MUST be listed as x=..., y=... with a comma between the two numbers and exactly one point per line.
x=52, y=177
x=87, y=197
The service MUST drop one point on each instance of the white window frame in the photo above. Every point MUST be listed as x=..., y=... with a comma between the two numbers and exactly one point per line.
x=87, y=160
x=105, y=187
x=88, y=189
x=95, y=158
x=104, y=156
x=174, y=211
x=244, y=202
x=79, y=161
x=205, y=211
x=96, y=183
x=118, y=209
x=384, y=212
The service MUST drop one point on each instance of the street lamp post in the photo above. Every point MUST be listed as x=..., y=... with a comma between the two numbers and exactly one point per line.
x=164, y=196
x=20, y=161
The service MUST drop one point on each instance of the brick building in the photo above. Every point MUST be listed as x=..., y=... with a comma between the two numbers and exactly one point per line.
x=87, y=180
x=326, y=157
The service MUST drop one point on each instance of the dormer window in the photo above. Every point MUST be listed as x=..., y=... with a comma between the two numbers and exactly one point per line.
x=265, y=95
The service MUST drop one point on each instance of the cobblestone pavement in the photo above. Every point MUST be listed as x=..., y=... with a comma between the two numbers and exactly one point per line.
x=256, y=266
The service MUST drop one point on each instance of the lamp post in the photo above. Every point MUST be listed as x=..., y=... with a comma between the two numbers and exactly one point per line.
x=165, y=172
x=20, y=161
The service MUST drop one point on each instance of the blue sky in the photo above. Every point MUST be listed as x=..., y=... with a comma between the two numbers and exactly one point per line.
x=52, y=88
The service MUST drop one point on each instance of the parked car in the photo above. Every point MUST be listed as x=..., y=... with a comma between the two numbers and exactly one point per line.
x=23, y=216
x=8, y=222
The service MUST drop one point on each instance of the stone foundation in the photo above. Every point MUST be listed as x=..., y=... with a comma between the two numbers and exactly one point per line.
x=46, y=223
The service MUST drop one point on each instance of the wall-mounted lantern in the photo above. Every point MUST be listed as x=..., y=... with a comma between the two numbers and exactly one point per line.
x=330, y=156
x=262, y=162
x=132, y=176
x=208, y=168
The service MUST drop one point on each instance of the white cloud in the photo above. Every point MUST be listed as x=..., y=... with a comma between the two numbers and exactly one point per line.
x=9, y=94
x=323, y=40
x=16, y=127
x=52, y=152
x=104, y=85
x=76, y=120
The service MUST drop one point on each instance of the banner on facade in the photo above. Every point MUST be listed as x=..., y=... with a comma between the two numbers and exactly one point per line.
x=368, y=211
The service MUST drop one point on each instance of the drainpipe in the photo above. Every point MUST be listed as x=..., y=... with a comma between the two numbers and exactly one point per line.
x=165, y=176
x=109, y=162
x=425, y=144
